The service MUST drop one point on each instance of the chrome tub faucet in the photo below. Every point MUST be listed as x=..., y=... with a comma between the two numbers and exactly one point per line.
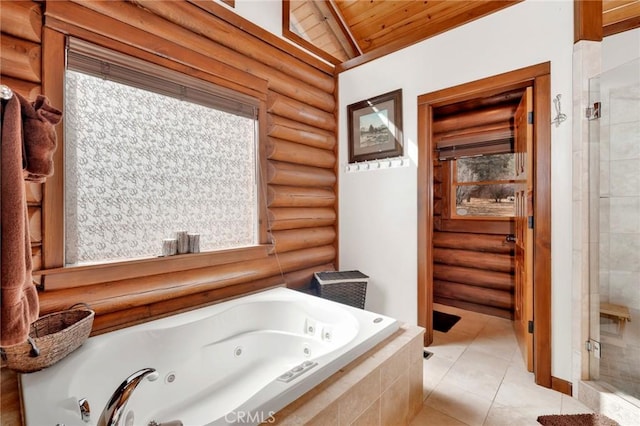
x=115, y=407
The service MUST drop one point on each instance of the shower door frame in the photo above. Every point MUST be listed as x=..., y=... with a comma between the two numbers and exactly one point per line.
x=594, y=342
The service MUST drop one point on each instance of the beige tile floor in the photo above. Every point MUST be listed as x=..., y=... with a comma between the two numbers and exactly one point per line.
x=477, y=377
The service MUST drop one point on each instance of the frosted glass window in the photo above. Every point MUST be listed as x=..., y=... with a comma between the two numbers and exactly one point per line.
x=140, y=166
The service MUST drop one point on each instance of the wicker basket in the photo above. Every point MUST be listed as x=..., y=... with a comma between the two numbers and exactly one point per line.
x=52, y=337
x=348, y=287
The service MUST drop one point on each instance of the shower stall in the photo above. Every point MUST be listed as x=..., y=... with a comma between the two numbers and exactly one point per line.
x=614, y=229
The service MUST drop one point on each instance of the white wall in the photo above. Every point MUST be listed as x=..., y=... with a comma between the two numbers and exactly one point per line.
x=264, y=13
x=620, y=48
x=378, y=208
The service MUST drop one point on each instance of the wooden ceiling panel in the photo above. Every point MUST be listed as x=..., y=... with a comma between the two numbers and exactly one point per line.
x=608, y=5
x=407, y=12
x=356, y=12
x=359, y=27
x=383, y=29
x=362, y=30
x=421, y=24
x=393, y=24
x=620, y=15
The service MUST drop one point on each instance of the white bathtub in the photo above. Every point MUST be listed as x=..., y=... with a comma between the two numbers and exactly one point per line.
x=217, y=365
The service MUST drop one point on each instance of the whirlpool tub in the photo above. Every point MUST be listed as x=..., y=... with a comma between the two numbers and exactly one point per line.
x=238, y=361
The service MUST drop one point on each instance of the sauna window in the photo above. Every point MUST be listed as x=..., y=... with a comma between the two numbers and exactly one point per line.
x=149, y=152
x=483, y=186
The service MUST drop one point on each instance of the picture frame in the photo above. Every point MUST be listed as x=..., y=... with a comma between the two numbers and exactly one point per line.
x=375, y=127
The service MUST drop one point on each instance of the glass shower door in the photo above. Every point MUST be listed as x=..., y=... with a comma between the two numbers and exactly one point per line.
x=614, y=207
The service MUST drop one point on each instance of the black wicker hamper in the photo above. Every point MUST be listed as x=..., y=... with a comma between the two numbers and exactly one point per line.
x=348, y=287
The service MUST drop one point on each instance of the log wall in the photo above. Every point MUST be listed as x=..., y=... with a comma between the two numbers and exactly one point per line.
x=474, y=268
x=473, y=265
x=474, y=272
x=21, y=70
x=298, y=149
x=298, y=137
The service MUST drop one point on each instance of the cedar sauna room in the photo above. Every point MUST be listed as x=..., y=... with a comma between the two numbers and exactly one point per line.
x=261, y=212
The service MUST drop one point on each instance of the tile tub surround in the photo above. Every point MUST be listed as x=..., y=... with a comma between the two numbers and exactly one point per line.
x=382, y=387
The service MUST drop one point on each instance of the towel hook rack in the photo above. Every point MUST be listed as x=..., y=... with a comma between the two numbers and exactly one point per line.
x=5, y=92
x=560, y=117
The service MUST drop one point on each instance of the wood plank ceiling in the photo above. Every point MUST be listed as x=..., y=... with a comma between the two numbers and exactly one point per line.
x=380, y=26
x=620, y=15
x=378, y=23
x=350, y=32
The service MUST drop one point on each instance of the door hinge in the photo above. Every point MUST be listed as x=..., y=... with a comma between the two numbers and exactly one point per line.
x=593, y=346
x=594, y=112
x=530, y=327
x=530, y=222
x=530, y=117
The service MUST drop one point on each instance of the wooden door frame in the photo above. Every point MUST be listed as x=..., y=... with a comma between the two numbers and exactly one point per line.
x=539, y=77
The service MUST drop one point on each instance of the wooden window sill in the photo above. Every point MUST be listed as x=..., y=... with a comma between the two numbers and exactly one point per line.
x=111, y=296
x=80, y=276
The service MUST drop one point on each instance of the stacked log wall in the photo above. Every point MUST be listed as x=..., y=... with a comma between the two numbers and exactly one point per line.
x=473, y=264
x=21, y=71
x=298, y=148
x=474, y=271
